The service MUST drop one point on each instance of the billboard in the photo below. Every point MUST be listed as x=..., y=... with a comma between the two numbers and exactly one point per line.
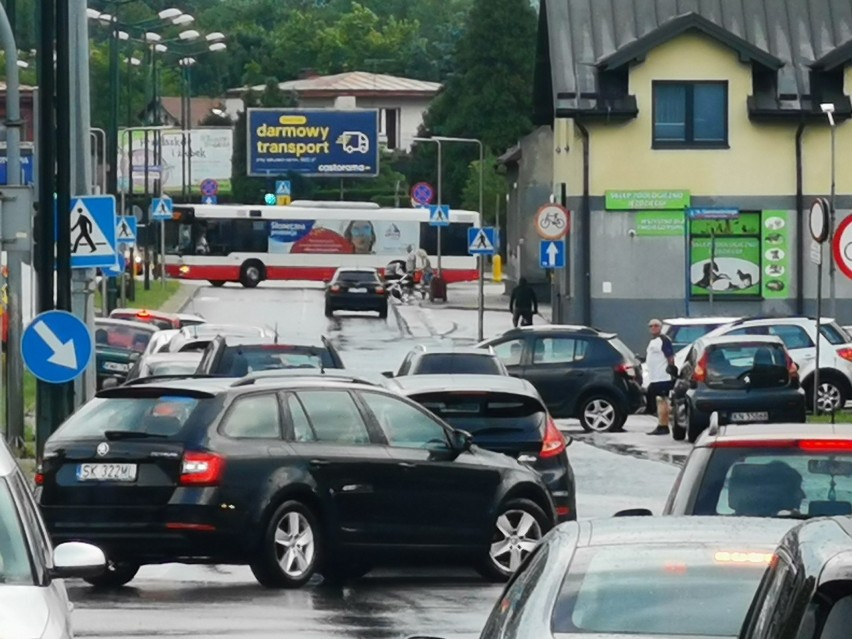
x=210, y=149
x=359, y=237
x=26, y=166
x=313, y=143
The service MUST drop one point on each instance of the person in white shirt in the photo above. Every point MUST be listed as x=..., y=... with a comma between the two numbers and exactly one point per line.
x=659, y=359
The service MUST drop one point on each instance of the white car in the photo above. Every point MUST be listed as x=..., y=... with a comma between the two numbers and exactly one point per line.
x=799, y=336
x=683, y=331
x=33, y=600
x=160, y=341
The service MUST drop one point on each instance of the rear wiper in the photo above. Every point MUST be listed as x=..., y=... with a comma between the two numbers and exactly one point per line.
x=114, y=435
x=791, y=514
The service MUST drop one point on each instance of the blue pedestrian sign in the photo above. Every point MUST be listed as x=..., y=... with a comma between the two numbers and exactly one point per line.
x=93, y=231
x=125, y=230
x=209, y=199
x=282, y=187
x=439, y=215
x=116, y=269
x=162, y=208
x=480, y=241
x=57, y=347
x=551, y=254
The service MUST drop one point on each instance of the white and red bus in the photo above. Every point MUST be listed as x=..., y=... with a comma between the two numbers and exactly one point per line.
x=308, y=241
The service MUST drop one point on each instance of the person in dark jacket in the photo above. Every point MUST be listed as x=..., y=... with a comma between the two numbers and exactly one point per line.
x=523, y=303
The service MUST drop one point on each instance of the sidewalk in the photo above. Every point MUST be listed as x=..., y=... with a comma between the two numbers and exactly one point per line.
x=465, y=296
x=182, y=298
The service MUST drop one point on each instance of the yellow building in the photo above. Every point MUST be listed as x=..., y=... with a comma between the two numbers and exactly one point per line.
x=690, y=141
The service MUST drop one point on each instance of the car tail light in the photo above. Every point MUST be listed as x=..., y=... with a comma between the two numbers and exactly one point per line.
x=178, y=525
x=201, y=469
x=845, y=353
x=826, y=445
x=39, y=476
x=335, y=288
x=380, y=289
x=626, y=368
x=756, y=443
x=806, y=445
x=700, y=372
x=793, y=369
x=554, y=442
x=563, y=511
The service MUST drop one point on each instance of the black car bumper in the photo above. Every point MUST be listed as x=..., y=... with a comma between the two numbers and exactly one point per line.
x=785, y=406
x=558, y=477
x=357, y=302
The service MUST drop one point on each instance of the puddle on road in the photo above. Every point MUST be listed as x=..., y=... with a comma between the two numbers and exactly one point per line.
x=675, y=458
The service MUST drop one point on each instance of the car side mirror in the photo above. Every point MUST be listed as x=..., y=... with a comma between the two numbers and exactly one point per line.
x=461, y=440
x=388, y=374
x=634, y=512
x=74, y=559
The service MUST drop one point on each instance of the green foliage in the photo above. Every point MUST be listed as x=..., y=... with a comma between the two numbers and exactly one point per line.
x=493, y=192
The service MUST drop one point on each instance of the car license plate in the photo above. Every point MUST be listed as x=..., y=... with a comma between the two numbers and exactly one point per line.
x=357, y=290
x=106, y=472
x=759, y=416
x=115, y=366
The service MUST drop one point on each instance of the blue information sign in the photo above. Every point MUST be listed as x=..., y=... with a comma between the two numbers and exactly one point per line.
x=318, y=143
x=26, y=166
x=57, y=347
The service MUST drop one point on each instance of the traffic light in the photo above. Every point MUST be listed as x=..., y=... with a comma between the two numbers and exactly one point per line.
x=270, y=199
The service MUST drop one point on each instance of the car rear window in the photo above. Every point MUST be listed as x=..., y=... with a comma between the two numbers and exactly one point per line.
x=357, y=276
x=684, y=335
x=130, y=417
x=622, y=349
x=835, y=334
x=765, y=482
x=239, y=361
x=172, y=368
x=458, y=364
x=486, y=413
x=642, y=589
x=746, y=365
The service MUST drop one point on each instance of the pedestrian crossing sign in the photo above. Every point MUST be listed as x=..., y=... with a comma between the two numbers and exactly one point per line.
x=480, y=241
x=162, y=208
x=93, y=231
x=282, y=187
x=439, y=215
x=125, y=230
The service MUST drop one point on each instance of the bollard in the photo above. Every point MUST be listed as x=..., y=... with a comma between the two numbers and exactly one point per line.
x=497, y=269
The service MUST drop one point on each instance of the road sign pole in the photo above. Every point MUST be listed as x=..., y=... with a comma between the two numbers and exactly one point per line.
x=163, y=253
x=440, y=202
x=481, y=313
x=818, y=336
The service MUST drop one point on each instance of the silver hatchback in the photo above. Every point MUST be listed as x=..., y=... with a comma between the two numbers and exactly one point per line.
x=31, y=570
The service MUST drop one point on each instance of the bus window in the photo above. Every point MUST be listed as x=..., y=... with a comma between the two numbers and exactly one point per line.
x=453, y=239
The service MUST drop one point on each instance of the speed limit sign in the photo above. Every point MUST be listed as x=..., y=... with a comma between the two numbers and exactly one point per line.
x=842, y=247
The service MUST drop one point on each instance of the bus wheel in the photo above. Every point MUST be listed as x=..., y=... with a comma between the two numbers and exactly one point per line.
x=251, y=274
x=217, y=283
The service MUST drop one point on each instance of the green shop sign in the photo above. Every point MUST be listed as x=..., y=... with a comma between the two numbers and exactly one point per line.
x=733, y=271
x=646, y=200
x=775, y=241
x=659, y=224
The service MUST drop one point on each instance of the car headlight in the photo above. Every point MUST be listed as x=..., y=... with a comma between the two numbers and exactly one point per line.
x=184, y=269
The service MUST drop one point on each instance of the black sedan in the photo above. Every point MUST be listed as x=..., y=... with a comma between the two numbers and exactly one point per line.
x=745, y=379
x=290, y=477
x=638, y=577
x=356, y=289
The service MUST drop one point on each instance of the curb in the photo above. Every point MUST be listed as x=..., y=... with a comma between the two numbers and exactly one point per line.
x=181, y=299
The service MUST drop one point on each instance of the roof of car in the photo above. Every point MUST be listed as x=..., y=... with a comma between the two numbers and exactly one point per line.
x=184, y=356
x=283, y=342
x=357, y=269
x=574, y=328
x=822, y=546
x=775, y=432
x=152, y=313
x=111, y=321
x=7, y=460
x=193, y=330
x=312, y=374
x=697, y=321
x=738, y=532
x=452, y=350
x=189, y=316
x=739, y=339
x=415, y=384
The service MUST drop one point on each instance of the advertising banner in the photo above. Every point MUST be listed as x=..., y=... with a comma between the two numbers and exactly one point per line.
x=360, y=237
x=211, y=150
x=646, y=200
x=317, y=143
x=735, y=269
x=776, y=254
x=659, y=224
x=26, y=166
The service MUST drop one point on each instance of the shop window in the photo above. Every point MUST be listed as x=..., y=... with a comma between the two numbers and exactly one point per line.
x=726, y=257
x=690, y=114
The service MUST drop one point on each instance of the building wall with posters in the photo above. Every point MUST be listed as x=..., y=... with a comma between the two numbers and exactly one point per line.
x=748, y=135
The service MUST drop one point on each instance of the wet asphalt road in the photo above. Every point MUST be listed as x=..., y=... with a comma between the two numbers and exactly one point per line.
x=225, y=601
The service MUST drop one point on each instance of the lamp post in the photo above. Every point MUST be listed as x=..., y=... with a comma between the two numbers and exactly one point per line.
x=828, y=109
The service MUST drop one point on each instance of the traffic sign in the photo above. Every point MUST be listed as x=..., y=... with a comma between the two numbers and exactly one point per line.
x=480, y=241
x=818, y=220
x=710, y=213
x=209, y=199
x=842, y=246
x=117, y=269
x=93, y=231
x=422, y=193
x=209, y=187
x=439, y=215
x=816, y=253
x=57, y=347
x=551, y=254
x=125, y=230
x=283, y=187
x=552, y=222
x=162, y=208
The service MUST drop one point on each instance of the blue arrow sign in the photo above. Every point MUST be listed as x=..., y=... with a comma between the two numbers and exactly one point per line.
x=480, y=241
x=210, y=199
x=57, y=347
x=282, y=187
x=551, y=254
x=162, y=208
x=439, y=215
x=93, y=231
x=125, y=230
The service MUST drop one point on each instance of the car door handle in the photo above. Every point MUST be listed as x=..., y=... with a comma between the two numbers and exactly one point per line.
x=315, y=463
x=406, y=464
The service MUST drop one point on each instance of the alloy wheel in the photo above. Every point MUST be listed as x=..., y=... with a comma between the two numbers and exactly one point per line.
x=516, y=535
x=599, y=415
x=295, y=548
x=829, y=397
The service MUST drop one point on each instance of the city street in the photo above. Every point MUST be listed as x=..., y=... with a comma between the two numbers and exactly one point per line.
x=618, y=471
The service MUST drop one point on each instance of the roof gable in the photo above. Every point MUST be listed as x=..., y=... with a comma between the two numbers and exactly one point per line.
x=637, y=49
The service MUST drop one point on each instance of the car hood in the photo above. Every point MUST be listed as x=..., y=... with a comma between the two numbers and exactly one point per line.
x=13, y=600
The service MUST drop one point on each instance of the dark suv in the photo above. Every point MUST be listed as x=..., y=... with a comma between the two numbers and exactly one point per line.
x=227, y=356
x=579, y=372
x=290, y=477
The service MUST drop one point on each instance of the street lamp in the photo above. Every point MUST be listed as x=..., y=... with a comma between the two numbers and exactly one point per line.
x=440, y=190
x=189, y=35
x=216, y=36
x=183, y=19
x=828, y=109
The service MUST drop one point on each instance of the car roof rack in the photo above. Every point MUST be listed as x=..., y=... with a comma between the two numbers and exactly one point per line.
x=296, y=373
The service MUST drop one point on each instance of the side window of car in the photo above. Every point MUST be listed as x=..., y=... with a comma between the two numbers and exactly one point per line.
x=749, y=330
x=510, y=352
x=335, y=417
x=33, y=521
x=793, y=336
x=559, y=350
x=253, y=417
x=302, y=431
x=405, y=426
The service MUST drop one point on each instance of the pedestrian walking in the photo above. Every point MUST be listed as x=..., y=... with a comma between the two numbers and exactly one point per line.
x=659, y=359
x=523, y=303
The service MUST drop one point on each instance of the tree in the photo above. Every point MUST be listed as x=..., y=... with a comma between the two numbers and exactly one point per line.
x=493, y=192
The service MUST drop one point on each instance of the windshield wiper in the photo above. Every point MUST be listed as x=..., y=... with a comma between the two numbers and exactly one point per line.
x=114, y=435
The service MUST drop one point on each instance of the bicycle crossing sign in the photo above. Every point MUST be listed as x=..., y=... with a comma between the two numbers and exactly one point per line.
x=439, y=215
x=552, y=222
x=480, y=241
